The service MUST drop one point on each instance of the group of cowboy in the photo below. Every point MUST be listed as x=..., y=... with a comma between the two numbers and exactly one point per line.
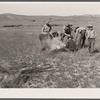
x=71, y=45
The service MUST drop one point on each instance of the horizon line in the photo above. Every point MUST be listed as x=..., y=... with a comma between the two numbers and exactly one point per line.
x=49, y=15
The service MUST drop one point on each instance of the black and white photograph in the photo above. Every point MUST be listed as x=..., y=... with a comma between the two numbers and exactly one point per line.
x=49, y=45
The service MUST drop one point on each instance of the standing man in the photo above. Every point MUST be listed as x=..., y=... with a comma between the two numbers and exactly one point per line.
x=46, y=31
x=91, y=35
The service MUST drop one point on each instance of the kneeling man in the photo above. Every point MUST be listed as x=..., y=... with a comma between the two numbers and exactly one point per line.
x=70, y=45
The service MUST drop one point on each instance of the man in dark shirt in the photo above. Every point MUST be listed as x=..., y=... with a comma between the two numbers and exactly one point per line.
x=67, y=29
x=71, y=44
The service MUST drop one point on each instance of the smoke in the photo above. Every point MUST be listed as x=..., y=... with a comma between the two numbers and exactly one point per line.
x=55, y=43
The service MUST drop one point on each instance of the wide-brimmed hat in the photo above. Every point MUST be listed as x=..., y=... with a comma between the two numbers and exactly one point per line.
x=90, y=25
x=67, y=25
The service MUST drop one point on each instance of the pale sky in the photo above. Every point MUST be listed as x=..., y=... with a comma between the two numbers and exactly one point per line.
x=50, y=8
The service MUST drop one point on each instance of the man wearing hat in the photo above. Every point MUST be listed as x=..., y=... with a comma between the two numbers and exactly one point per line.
x=71, y=44
x=67, y=29
x=91, y=35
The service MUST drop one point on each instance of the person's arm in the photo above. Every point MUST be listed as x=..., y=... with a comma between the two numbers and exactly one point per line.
x=63, y=29
x=43, y=28
x=76, y=35
x=94, y=32
x=86, y=34
x=50, y=27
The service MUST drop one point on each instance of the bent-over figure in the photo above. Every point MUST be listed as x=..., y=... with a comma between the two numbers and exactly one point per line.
x=80, y=37
x=67, y=29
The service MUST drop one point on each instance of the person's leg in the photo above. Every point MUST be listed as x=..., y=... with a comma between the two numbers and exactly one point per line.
x=43, y=41
x=83, y=41
x=43, y=45
x=79, y=42
x=41, y=38
x=64, y=49
x=47, y=41
x=89, y=45
x=92, y=45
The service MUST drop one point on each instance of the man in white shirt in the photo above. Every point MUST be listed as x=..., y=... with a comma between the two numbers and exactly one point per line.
x=45, y=35
x=46, y=28
x=91, y=35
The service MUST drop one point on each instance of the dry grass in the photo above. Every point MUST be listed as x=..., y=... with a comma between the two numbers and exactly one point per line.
x=23, y=65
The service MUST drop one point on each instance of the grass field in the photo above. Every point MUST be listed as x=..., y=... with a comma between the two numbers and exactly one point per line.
x=23, y=65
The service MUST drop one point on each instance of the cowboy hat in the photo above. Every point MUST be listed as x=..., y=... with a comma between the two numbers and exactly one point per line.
x=89, y=25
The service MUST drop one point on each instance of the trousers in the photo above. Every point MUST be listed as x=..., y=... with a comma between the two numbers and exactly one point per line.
x=91, y=44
